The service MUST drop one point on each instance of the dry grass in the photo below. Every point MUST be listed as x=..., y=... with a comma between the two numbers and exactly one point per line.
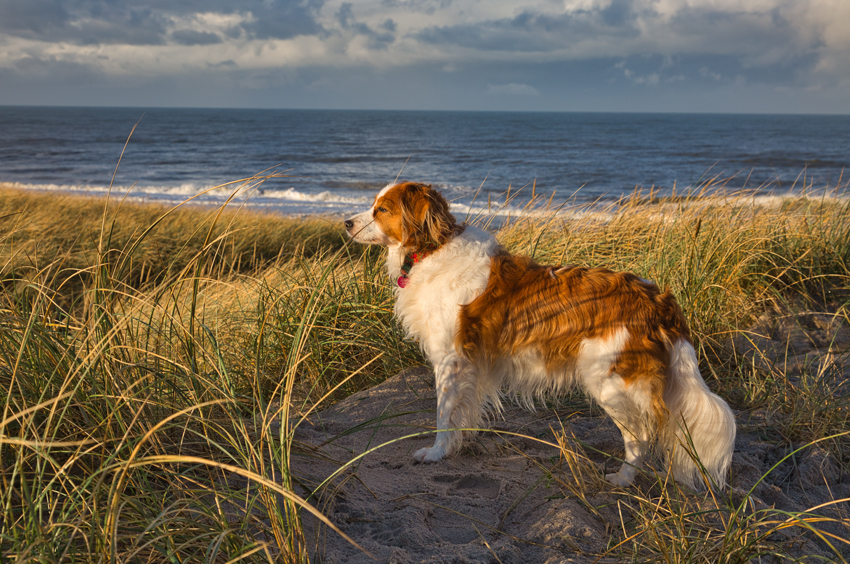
x=740, y=266
x=151, y=376
x=155, y=362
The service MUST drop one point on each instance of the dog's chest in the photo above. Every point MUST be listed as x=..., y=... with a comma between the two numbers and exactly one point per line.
x=429, y=306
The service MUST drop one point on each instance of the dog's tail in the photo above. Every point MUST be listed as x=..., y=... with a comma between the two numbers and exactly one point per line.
x=699, y=434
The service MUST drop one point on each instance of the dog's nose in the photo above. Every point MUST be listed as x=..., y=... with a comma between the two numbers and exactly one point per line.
x=348, y=224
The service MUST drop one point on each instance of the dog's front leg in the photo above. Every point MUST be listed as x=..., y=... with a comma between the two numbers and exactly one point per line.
x=454, y=390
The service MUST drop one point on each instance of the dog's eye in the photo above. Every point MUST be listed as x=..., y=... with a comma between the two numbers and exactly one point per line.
x=382, y=210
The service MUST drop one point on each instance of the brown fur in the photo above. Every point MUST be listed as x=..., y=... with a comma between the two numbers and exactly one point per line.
x=529, y=307
x=416, y=215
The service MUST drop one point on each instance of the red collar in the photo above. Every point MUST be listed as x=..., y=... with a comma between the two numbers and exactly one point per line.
x=413, y=257
x=409, y=260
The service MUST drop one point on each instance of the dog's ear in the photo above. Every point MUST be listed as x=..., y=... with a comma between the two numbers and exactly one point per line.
x=427, y=220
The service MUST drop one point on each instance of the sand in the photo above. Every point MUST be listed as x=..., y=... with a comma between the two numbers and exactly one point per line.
x=507, y=498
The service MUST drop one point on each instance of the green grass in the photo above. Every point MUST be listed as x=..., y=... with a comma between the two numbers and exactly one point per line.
x=154, y=362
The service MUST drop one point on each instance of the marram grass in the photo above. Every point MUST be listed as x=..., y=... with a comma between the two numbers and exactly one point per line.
x=154, y=361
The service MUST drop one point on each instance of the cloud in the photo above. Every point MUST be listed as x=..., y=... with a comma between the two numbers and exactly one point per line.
x=79, y=23
x=43, y=71
x=418, y=6
x=530, y=30
x=512, y=89
x=617, y=13
x=377, y=39
x=760, y=33
x=634, y=44
x=32, y=17
x=228, y=64
x=135, y=22
x=192, y=37
x=283, y=19
x=708, y=73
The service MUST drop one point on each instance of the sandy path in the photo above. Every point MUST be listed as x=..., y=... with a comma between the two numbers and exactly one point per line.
x=403, y=511
x=507, y=498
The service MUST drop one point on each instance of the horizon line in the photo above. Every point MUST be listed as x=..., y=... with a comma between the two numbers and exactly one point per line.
x=424, y=110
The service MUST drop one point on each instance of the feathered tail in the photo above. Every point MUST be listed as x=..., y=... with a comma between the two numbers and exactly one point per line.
x=700, y=430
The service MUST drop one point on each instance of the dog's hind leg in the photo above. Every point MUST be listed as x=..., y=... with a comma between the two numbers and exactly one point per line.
x=636, y=439
x=614, y=397
x=621, y=401
x=458, y=406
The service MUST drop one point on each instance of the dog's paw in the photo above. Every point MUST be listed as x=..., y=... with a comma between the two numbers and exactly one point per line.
x=618, y=479
x=429, y=454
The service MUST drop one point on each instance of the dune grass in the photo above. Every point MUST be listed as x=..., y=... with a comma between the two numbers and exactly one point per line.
x=150, y=377
x=732, y=261
x=154, y=363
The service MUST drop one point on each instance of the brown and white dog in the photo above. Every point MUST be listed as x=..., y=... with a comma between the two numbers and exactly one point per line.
x=494, y=323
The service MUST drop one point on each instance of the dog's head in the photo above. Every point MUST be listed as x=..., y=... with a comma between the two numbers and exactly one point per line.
x=408, y=214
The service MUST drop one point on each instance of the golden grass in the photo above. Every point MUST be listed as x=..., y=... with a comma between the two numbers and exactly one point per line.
x=153, y=363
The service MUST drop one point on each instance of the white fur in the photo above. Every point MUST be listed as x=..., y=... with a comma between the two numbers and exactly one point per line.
x=428, y=308
x=457, y=273
x=698, y=418
x=629, y=407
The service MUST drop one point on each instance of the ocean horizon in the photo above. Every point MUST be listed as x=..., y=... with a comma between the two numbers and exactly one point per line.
x=333, y=161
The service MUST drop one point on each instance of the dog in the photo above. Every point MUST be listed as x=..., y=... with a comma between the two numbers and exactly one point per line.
x=492, y=323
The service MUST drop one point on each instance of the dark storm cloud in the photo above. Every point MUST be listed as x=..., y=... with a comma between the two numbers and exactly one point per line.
x=146, y=22
x=529, y=31
x=137, y=26
x=81, y=22
x=229, y=64
x=280, y=19
x=761, y=47
x=191, y=37
x=423, y=6
x=31, y=16
x=765, y=38
x=617, y=13
x=377, y=39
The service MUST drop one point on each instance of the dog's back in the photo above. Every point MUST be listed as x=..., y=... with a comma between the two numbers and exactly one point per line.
x=538, y=329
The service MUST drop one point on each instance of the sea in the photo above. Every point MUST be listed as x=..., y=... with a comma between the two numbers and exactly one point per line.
x=307, y=162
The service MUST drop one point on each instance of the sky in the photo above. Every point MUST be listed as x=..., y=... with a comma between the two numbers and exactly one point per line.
x=763, y=56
